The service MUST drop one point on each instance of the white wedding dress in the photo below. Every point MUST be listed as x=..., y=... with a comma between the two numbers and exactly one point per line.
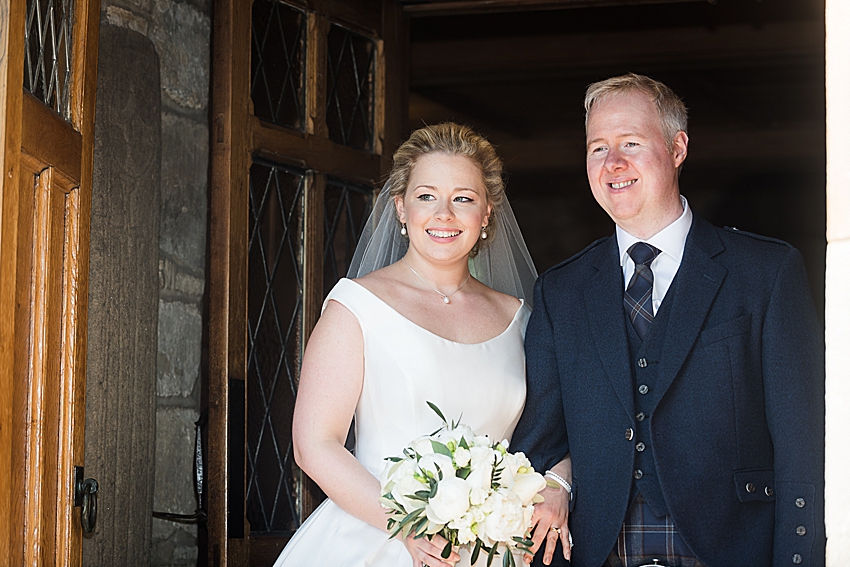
x=483, y=384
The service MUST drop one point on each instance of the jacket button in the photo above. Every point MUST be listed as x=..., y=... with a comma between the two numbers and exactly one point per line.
x=751, y=487
x=797, y=559
x=641, y=416
x=638, y=474
x=800, y=502
x=642, y=362
x=801, y=530
x=768, y=491
x=629, y=434
x=643, y=389
x=640, y=447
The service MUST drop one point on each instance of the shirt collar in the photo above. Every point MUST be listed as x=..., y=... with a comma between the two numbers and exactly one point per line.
x=670, y=240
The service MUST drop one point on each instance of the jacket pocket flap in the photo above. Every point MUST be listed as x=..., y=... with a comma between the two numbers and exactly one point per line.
x=735, y=327
x=755, y=485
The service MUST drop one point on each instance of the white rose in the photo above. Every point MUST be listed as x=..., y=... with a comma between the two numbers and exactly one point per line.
x=462, y=457
x=422, y=445
x=446, y=435
x=463, y=525
x=526, y=485
x=450, y=502
x=481, y=441
x=406, y=484
x=477, y=495
x=437, y=461
x=505, y=518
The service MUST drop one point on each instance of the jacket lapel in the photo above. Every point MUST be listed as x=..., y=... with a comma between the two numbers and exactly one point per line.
x=697, y=282
x=603, y=299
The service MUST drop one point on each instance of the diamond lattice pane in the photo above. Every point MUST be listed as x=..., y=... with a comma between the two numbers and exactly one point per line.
x=47, y=56
x=347, y=208
x=277, y=63
x=350, y=88
x=274, y=344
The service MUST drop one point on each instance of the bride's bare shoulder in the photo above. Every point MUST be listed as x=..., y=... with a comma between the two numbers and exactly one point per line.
x=381, y=282
x=503, y=303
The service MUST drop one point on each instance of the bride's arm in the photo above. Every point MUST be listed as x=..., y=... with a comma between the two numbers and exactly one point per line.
x=330, y=385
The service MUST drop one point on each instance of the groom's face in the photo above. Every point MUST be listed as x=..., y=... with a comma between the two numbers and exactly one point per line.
x=630, y=167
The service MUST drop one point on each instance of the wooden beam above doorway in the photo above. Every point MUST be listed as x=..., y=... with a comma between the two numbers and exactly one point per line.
x=456, y=7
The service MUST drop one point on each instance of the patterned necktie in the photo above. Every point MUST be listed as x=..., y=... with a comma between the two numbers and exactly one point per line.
x=638, y=297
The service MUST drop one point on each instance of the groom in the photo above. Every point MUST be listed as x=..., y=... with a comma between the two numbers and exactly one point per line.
x=679, y=365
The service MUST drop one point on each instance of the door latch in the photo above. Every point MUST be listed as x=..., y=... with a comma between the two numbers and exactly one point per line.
x=85, y=496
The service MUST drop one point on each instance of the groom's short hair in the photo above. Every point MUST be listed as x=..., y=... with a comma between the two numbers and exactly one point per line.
x=671, y=109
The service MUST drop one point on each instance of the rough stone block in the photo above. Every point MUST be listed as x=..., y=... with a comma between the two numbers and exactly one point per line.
x=174, y=543
x=185, y=151
x=178, y=348
x=181, y=33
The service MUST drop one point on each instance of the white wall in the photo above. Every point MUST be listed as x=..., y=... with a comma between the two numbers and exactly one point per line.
x=838, y=283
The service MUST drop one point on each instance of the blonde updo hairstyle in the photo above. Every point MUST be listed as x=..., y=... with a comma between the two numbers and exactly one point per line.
x=454, y=140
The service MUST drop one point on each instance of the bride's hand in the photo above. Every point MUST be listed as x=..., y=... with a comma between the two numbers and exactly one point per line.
x=427, y=552
x=550, y=524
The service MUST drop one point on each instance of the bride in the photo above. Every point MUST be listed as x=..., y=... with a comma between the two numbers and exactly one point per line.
x=436, y=311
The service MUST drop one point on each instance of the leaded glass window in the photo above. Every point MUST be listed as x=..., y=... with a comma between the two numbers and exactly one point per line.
x=47, y=59
x=277, y=63
x=347, y=209
x=350, y=88
x=275, y=261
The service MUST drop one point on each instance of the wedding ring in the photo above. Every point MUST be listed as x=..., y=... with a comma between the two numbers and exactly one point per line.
x=554, y=529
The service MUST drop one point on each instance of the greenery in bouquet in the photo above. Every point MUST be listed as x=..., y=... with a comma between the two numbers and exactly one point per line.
x=464, y=487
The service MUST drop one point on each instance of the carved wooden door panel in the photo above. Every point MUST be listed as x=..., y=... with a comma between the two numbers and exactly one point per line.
x=308, y=104
x=48, y=56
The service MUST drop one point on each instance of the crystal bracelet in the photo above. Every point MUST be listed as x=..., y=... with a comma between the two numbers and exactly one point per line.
x=560, y=480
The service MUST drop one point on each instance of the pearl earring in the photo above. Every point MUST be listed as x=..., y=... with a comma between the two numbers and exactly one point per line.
x=403, y=229
x=483, y=233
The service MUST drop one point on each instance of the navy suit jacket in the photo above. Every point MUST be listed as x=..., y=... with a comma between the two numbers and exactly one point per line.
x=738, y=429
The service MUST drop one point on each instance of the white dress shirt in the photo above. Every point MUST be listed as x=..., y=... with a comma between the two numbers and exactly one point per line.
x=671, y=242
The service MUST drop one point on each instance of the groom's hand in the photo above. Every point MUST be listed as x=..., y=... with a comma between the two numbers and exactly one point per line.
x=550, y=524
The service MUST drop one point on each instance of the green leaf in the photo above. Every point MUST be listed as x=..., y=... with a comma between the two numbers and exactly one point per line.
x=463, y=473
x=463, y=443
x=393, y=459
x=421, y=495
x=475, y=551
x=492, y=554
x=446, y=550
x=437, y=411
x=441, y=449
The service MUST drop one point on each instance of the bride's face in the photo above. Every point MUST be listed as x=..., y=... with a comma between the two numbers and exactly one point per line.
x=444, y=207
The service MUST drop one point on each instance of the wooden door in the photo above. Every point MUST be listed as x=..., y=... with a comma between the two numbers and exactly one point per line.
x=48, y=56
x=309, y=102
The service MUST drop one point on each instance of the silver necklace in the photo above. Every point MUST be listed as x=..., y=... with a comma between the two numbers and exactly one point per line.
x=446, y=299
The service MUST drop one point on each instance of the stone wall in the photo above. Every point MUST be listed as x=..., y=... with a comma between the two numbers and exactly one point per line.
x=180, y=33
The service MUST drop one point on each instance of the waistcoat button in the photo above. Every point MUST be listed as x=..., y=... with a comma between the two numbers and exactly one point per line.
x=801, y=530
x=751, y=487
x=797, y=559
x=800, y=502
x=638, y=474
x=641, y=416
x=629, y=434
x=640, y=447
x=641, y=362
x=643, y=389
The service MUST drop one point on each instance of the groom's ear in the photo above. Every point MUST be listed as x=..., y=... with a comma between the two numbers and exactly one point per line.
x=399, y=208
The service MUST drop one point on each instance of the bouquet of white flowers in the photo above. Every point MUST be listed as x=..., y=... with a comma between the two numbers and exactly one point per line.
x=466, y=488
